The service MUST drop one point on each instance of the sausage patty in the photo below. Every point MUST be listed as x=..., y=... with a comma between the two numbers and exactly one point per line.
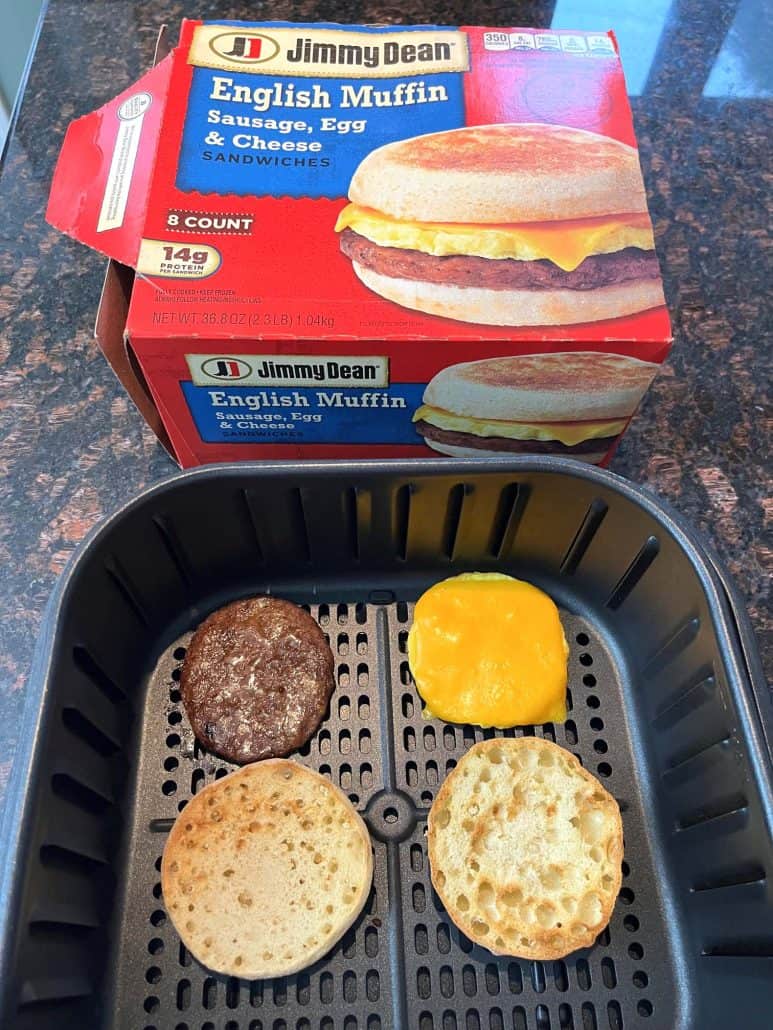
x=500, y=273
x=508, y=445
x=256, y=679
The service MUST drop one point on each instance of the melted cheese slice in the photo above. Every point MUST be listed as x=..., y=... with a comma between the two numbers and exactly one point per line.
x=488, y=649
x=566, y=243
x=568, y=433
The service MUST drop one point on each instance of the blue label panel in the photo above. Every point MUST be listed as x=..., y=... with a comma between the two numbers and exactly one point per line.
x=303, y=136
x=246, y=414
x=317, y=160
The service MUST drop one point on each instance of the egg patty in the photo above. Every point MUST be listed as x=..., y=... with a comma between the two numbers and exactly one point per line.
x=565, y=243
x=489, y=649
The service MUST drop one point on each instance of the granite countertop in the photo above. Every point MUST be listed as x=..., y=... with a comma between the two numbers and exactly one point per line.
x=73, y=448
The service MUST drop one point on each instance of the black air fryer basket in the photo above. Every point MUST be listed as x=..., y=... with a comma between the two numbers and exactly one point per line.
x=666, y=708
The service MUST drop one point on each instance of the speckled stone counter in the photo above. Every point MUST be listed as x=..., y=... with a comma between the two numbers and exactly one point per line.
x=73, y=448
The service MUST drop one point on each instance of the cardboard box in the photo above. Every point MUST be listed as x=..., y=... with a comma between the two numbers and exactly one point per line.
x=359, y=241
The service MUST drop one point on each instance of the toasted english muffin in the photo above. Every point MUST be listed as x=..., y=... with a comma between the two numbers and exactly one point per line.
x=515, y=307
x=265, y=869
x=543, y=387
x=525, y=849
x=524, y=172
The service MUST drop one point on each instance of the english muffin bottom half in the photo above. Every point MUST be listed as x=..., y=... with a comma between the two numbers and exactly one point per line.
x=265, y=869
x=516, y=224
x=525, y=849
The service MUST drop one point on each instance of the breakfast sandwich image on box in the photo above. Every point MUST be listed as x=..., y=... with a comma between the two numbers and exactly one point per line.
x=336, y=226
x=516, y=224
x=573, y=404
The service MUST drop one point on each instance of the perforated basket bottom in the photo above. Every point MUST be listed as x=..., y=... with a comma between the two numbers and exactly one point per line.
x=403, y=964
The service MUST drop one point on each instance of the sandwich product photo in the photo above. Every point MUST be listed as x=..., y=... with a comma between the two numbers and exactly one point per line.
x=513, y=225
x=574, y=403
x=314, y=230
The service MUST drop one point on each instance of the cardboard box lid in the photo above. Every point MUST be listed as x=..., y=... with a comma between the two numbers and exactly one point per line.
x=78, y=192
x=101, y=184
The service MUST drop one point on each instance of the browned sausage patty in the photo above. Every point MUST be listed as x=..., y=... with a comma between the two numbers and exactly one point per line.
x=256, y=679
x=503, y=273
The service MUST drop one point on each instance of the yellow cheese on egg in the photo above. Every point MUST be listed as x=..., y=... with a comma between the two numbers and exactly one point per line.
x=568, y=433
x=565, y=243
x=489, y=649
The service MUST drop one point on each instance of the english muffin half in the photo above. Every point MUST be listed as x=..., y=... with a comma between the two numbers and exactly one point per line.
x=525, y=849
x=265, y=870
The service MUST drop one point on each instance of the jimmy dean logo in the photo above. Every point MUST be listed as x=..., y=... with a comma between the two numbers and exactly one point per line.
x=279, y=369
x=340, y=53
x=244, y=47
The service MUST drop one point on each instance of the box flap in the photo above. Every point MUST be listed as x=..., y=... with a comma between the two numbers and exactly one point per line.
x=99, y=192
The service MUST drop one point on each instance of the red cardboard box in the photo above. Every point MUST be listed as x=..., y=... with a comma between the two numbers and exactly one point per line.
x=358, y=241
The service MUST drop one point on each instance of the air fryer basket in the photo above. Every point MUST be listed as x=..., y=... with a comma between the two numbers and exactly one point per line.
x=662, y=709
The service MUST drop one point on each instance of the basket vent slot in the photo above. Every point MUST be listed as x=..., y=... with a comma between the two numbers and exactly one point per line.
x=715, y=808
x=560, y=976
x=741, y=948
x=299, y=530
x=351, y=523
x=56, y=857
x=740, y=876
x=679, y=641
x=209, y=993
x=160, y=825
x=685, y=755
x=565, y=1018
x=538, y=977
x=174, y=549
x=615, y=1015
x=126, y=589
x=183, y=994
x=232, y=992
x=48, y=929
x=77, y=793
x=512, y=502
x=41, y=990
x=633, y=574
x=686, y=699
x=401, y=519
x=582, y=969
x=86, y=664
x=84, y=728
x=589, y=1017
x=453, y=518
x=252, y=521
x=589, y=526
x=608, y=974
